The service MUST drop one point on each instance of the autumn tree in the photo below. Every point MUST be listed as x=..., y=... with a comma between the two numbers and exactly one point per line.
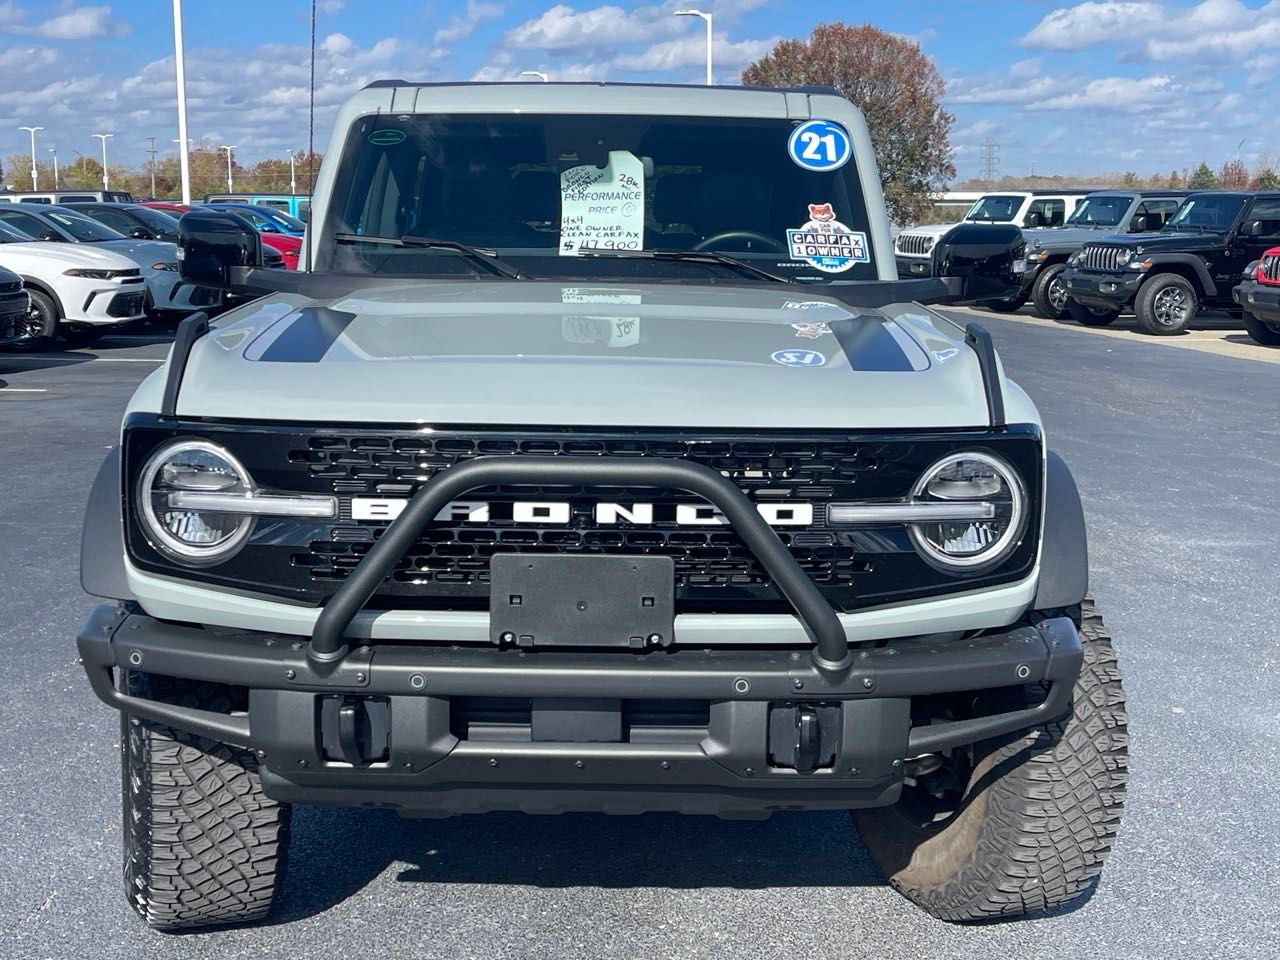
x=1203, y=178
x=899, y=91
x=1175, y=180
x=1234, y=175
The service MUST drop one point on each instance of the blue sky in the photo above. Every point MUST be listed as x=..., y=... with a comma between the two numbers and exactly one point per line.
x=1103, y=85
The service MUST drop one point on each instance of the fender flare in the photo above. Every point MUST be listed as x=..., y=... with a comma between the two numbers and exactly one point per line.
x=35, y=283
x=102, y=571
x=1197, y=266
x=1064, y=552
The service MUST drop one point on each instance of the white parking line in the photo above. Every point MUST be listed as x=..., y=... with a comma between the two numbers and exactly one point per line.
x=79, y=359
x=4, y=390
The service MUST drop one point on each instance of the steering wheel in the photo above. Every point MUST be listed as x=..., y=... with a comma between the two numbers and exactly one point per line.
x=771, y=243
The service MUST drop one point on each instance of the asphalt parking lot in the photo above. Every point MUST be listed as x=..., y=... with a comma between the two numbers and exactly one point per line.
x=1176, y=447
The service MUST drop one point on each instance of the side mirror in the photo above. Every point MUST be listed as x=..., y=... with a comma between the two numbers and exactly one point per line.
x=50, y=237
x=269, y=228
x=140, y=233
x=1033, y=220
x=981, y=262
x=1138, y=224
x=213, y=242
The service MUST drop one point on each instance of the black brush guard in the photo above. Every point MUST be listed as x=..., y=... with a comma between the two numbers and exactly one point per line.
x=831, y=647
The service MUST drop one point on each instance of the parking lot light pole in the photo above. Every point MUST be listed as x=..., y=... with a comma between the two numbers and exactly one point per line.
x=53, y=151
x=184, y=158
x=706, y=17
x=535, y=73
x=293, y=174
x=106, y=178
x=35, y=176
x=228, y=148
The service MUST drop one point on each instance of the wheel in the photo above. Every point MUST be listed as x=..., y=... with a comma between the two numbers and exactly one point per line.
x=1049, y=294
x=40, y=325
x=1268, y=336
x=1022, y=823
x=1091, y=316
x=1166, y=305
x=1005, y=306
x=203, y=845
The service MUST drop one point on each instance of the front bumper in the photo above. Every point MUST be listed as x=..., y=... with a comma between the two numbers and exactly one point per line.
x=913, y=268
x=1111, y=291
x=1260, y=299
x=103, y=303
x=579, y=744
x=13, y=311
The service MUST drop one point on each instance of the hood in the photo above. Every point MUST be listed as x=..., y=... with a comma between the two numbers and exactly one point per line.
x=38, y=257
x=144, y=252
x=1052, y=237
x=539, y=353
x=1165, y=240
x=934, y=230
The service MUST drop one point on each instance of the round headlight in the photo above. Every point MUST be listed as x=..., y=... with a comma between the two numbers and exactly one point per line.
x=193, y=537
x=1124, y=257
x=967, y=545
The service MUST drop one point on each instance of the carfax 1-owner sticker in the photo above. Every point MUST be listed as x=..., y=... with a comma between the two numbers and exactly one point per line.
x=826, y=243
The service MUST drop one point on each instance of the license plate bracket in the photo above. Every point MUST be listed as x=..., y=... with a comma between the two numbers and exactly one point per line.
x=581, y=601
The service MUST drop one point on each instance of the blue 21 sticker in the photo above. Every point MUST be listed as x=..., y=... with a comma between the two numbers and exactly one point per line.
x=799, y=358
x=820, y=145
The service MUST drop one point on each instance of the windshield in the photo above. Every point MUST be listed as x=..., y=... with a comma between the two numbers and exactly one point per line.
x=997, y=209
x=282, y=219
x=539, y=191
x=1100, y=212
x=9, y=235
x=81, y=227
x=1209, y=212
x=156, y=220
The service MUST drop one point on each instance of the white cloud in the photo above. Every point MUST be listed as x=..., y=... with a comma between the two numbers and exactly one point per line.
x=330, y=7
x=1087, y=24
x=78, y=23
x=1122, y=94
x=336, y=43
x=463, y=25
x=692, y=50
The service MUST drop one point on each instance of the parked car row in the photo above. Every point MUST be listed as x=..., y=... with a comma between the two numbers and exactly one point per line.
x=90, y=265
x=1165, y=255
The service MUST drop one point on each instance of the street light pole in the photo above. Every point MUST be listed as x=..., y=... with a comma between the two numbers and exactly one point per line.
x=706, y=17
x=293, y=174
x=35, y=176
x=228, y=148
x=151, y=151
x=535, y=73
x=106, y=178
x=184, y=160
x=54, y=152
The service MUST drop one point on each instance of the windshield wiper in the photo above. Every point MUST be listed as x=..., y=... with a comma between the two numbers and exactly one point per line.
x=687, y=256
x=486, y=258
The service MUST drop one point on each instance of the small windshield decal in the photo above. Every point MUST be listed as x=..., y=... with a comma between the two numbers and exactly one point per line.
x=820, y=145
x=826, y=243
x=602, y=207
x=387, y=137
x=799, y=358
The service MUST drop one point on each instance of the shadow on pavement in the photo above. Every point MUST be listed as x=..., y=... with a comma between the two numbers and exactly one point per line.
x=337, y=852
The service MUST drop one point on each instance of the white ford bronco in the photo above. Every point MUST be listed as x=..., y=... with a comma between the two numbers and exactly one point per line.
x=597, y=460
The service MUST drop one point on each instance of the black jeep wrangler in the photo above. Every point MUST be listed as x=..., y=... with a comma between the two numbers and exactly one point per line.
x=1189, y=265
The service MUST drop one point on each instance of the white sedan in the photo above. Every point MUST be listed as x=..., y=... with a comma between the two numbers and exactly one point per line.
x=75, y=290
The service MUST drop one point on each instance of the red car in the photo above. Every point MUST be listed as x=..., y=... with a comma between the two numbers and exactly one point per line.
x=1259, y=295
x=286, y=246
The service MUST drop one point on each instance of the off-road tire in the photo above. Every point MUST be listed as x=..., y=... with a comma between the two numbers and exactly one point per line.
x=44, y=319
x=1039, y=813
x=1267, y=336
x=1004, y=306
x=203, y=845
x=1040, y=290
x=1088, y=317
x=1147, y=305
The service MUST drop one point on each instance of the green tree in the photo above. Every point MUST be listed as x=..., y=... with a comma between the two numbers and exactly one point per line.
x=1267, y=179
x=1175, y=180
x=1203, y=178
x=899, y=91
x=1130, y=179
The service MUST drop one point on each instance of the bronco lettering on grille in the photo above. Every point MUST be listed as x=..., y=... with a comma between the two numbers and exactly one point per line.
x=604, y=514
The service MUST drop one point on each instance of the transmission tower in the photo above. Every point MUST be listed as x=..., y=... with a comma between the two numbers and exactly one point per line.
x=990, y=160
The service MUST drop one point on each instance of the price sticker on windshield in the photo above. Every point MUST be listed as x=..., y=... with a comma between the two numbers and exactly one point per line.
x=820, y=146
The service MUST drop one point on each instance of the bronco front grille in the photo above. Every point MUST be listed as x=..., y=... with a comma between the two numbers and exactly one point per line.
x=1101, y=259
x=448, y=566
x=914, y=244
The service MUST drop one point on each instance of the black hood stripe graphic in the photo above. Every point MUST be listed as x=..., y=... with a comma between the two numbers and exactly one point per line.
x=309, y=337
x=869, y=346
